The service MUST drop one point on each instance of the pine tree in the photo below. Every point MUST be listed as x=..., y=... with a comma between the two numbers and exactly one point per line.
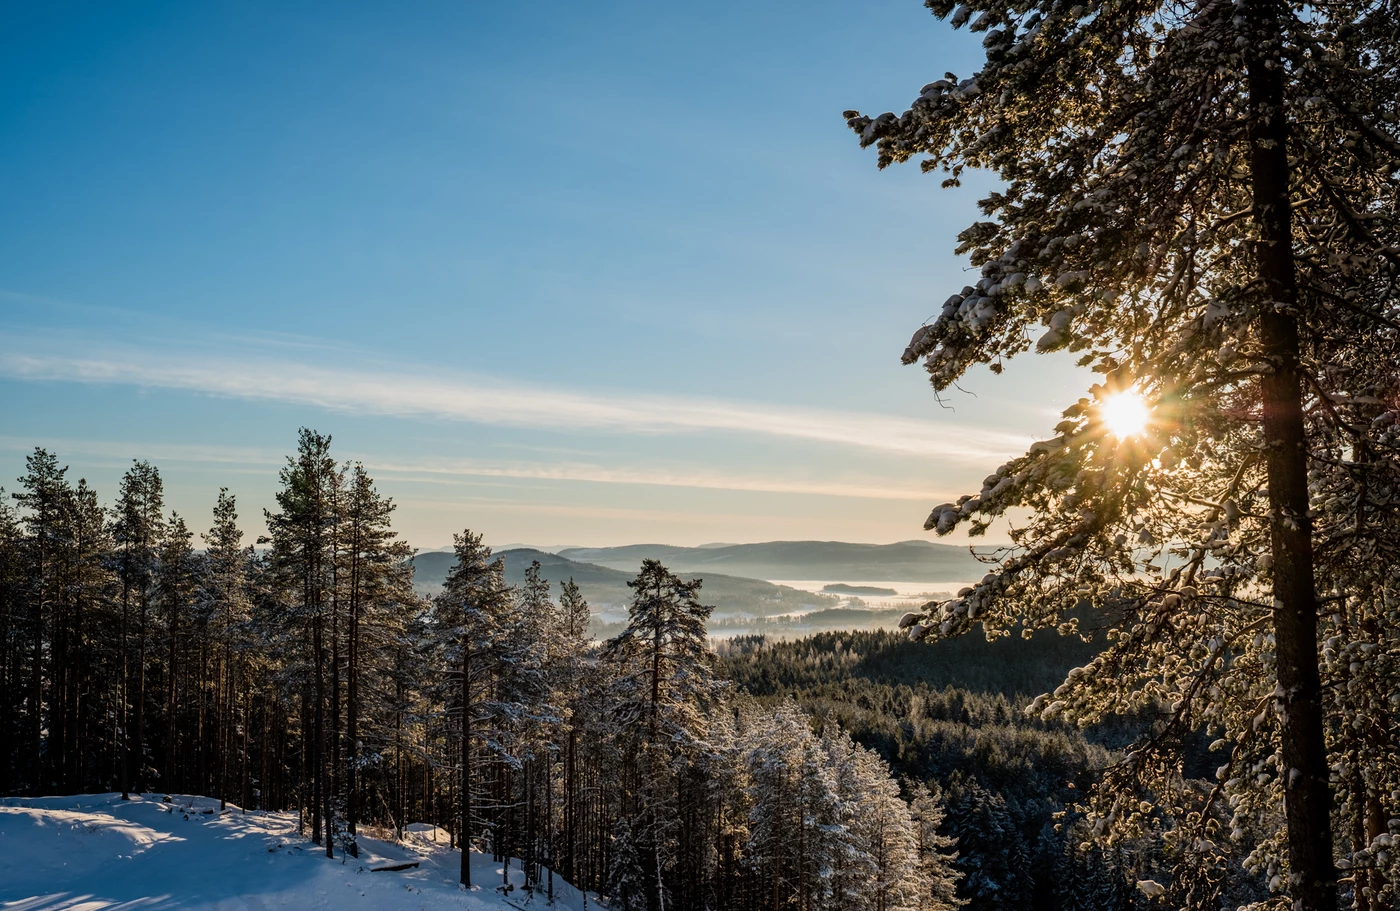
x=1198, y=200
x=301, y=536
x=227, y=605
x=13, y=579
x=44, y=494
x=473, y=625
x=138, y=524
x=80, y=625
x=936, y=851
x=572, y=678
x=663, y=684
x=176, y=582
x=375, y=578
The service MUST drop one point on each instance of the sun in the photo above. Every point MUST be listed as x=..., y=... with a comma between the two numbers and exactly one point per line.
x=1125, y=414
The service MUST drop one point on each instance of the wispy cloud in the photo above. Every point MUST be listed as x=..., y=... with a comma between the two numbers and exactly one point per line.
x=392, y=391
x=457, y=472
x=453, y=472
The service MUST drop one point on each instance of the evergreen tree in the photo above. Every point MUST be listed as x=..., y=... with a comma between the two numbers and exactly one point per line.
x=1197, y=200
x=80, y=626
x=662, y=688
x=177, y=580
x=138, y=524
x=44, y=494
x=13, y=603
x=301, y=535
x=227, y=605
x=376, y=582
x=472, y=622
x=937, y=857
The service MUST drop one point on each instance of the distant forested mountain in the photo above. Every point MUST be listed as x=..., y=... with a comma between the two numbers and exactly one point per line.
x=833, y=561
x=606, y=588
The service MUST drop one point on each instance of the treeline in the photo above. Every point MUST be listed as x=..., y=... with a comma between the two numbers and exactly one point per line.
x=1005, y=779
x=137, y=655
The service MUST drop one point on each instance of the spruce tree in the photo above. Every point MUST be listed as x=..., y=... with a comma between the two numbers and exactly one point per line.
x=1198, y=201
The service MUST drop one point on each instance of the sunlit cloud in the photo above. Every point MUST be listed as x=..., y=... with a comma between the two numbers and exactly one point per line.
x=405, y=393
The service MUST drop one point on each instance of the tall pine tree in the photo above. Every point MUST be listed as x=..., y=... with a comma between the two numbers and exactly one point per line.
x=1198, y=200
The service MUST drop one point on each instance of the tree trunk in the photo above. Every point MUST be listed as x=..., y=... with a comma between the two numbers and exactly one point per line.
x=172, y=737
x=1308, y=798
x=123, y=687
x=323, y=780
x=318, y=778
x=465, y=827
x=136, y=742
x=570, y=808
x=352, y=712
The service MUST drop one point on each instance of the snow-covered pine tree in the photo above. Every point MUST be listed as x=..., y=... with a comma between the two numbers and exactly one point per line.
x=792, y=805
x=79, y=631
x=226, y=603
x=1198, y=200
x=663, y=684
x=878, y=855
x=43, y=494
x=13, y=579
x=302, y=562
x=138, y=523
x=176, y=582
x=936, y=850
x=571, y=671
x=376, y=579
x=475, y=622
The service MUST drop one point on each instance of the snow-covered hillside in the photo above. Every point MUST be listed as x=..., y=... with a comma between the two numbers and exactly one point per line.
x=95, y=851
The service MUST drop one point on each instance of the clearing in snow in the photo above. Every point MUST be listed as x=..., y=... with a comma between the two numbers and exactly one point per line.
x=93, y=852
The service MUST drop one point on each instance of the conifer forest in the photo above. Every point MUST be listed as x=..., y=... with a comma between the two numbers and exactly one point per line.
x=302, y=673
x=1173, y=680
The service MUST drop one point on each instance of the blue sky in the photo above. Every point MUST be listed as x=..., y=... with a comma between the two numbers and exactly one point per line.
x=562, y=273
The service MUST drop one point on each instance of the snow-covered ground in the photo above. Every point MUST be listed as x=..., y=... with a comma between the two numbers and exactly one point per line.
x=95, y=851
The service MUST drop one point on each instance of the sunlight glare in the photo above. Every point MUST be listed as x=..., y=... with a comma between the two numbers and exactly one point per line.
x=1125, y=415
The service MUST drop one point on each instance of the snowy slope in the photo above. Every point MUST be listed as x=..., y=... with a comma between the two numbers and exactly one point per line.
x=95, y=851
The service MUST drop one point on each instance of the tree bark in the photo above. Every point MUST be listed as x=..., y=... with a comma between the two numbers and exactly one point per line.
x=1312, y=880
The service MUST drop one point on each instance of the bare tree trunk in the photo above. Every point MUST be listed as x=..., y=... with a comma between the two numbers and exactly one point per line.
x=1312, y=881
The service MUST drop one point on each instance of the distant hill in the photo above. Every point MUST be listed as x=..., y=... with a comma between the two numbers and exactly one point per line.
x=841, y=588
x=826, y=561
x=606, y=588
